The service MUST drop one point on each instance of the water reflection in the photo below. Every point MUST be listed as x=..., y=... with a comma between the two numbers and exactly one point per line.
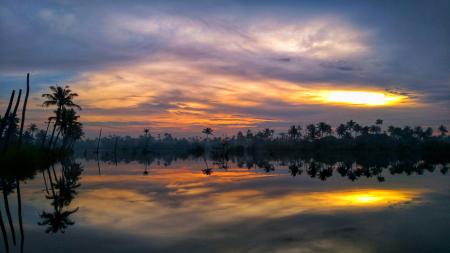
x=62, y=192
x=169, y=204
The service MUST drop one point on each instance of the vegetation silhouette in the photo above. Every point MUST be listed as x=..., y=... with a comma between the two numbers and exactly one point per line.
x=23, y=153
x=321, y=138
x=62, y=192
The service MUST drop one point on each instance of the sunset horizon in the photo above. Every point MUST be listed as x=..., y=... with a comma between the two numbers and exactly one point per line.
x=178, y=67
x=219, y=126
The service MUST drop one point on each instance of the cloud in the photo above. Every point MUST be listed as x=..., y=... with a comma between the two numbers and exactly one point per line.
x=228, y=66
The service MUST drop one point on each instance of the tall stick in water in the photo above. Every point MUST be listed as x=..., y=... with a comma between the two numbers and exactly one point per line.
x=5, y=236
x=3, y=123
x=11, y=119
x=97, y=152
x=19, y=211
x=24, y=109
x=99, y=138
x=115, y=150
x=8, y=210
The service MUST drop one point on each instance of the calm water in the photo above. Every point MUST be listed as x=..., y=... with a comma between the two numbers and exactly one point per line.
x=189, y=207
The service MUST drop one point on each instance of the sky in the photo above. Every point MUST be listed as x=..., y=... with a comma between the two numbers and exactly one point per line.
x=180, y=66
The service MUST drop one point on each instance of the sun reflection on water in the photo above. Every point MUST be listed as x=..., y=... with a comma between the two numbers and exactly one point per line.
x=374, y=197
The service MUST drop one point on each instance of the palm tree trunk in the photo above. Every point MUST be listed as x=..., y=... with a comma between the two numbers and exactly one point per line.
x=46, y=132
x=58, y=117
x=51, y=181
x=45, y=183
x=56, y=139
x=53, y=134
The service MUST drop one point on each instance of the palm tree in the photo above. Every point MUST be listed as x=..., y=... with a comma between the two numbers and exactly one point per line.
x=350, y=125
x=293, y=132
x=32, y=129
x=375, y=129
x=428, y=133
x=267, y=133
x=418, y=132
x=324, y=129
x=146, y=131
x=62, y=98
x=207, y=131
x=357, y=129
x=379, y=122
x=443, y=130
x=312, y=131
x=341, y=130
x=69, y=125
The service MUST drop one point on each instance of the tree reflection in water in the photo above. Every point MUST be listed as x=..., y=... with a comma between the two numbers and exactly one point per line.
x=63, y=191
x=61, y=181
x=60, y=189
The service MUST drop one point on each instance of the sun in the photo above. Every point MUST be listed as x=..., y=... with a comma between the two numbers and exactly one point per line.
x=367, y=98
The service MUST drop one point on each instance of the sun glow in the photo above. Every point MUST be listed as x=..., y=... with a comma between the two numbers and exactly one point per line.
x=368, y=98
x=373, y=197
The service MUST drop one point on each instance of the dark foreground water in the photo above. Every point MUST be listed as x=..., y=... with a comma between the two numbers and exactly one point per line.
x=190, y=206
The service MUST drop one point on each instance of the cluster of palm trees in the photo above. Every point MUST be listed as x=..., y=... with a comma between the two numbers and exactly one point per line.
x=61, y=189
x=350, y=129
x=64, y=123
x=65, y=119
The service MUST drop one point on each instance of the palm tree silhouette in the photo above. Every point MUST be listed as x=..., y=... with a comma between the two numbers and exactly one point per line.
x=32, y=128
x=207, y=131
x=341, y=130
x=312, y=131
x=351, y=125
x=324, y=129
x=61, y=97
x=443, y=130
x=68, y=125
x=57, y=220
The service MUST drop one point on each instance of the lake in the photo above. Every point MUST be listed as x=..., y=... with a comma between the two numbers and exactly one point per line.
x=232, y=205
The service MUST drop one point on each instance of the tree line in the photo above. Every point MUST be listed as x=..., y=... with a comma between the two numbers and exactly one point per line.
x=62, y=129
x=313, y=137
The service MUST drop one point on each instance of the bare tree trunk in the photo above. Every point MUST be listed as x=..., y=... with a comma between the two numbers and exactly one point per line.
x=98, y=143
x=11, y=122
x=24, y=109
x=8, y=213
x=3, y=123
x=5, y=237
x=19, y=212
x=115, y=150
